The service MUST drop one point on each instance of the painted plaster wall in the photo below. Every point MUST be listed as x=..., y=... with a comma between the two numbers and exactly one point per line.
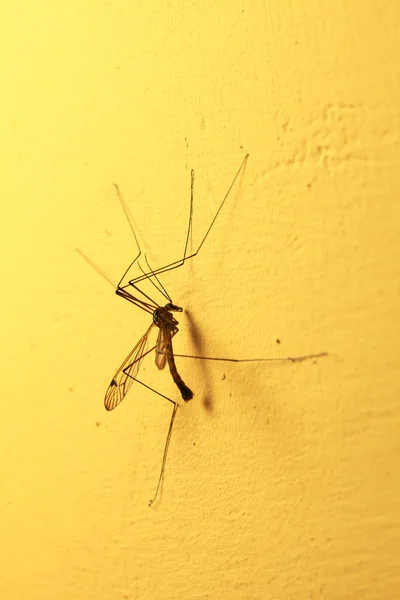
x=282, y=479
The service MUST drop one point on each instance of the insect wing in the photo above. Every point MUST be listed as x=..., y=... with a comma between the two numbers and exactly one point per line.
x=163, y=340
x=126, y=373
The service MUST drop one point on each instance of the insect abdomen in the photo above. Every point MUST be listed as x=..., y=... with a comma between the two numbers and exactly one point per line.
x=186, y=392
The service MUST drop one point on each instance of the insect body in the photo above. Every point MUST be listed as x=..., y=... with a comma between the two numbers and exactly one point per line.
x=162, y=318
x=126, y=374
x=168, y=325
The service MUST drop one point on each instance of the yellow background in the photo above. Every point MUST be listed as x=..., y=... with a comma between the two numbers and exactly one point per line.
x=282, y=480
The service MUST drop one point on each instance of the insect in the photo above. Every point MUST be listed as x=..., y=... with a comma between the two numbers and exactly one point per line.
x=167, y=324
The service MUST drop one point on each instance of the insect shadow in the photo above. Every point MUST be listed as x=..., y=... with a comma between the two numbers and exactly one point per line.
x=163, y=320
x=197, y=341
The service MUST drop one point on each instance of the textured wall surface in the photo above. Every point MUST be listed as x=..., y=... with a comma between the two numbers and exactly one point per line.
x=282, y=480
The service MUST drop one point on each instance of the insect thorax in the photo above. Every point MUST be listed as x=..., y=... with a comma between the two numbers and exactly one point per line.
x=163, y=315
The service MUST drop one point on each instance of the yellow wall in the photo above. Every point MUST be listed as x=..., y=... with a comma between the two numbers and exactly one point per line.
x=282, y=480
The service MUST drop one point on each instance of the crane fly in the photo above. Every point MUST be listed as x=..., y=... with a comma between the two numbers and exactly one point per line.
x=163, y=319
x=126, y=374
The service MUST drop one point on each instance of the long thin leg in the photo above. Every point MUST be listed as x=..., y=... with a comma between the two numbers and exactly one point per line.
x=170, y=266
x=189, y=230
x=130, y=222
x=240, y=360
x=165, y=454
x=151, y=274
x=167, y=441
x=153, y=390
x=180, y=262
x=159, y=286
x=95, y=267
x=149, y=306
